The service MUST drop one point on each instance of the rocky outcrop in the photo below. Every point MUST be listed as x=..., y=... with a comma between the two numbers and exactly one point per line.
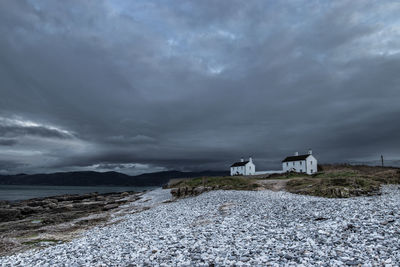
x=56, y=206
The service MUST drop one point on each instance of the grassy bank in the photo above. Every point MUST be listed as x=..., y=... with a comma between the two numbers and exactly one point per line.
x=344, y=181
x=225, y=182
x=334, y=181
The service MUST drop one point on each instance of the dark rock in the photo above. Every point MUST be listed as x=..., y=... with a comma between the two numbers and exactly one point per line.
x=352, y=263
x=198, y=190
x=30, y=210
x=88, y=205
x=124, y=194
x=350, y=227
x=100, y=198
x=175, y=192
x=387, y=222
x=35, y=203
x=320, y=219
x=110, y=207
x=9, y=215
x=4, y=203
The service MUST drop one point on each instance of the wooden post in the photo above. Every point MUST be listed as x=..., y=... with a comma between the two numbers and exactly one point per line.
x=382, y=159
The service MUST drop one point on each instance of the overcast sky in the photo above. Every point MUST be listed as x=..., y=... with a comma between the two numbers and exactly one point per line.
x=141, y=86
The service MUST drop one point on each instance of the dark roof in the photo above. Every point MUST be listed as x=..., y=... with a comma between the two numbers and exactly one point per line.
x=296, y=158
x=240, y=163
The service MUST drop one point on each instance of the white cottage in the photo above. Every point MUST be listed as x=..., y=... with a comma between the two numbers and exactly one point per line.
x=243, y=167
x=300, y=163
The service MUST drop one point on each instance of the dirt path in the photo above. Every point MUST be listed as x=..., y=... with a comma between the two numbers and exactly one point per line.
x=274, y=185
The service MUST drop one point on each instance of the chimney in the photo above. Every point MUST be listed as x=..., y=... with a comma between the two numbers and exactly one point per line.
x=310, y=152
x=296, y=153
x=250, y=159
x=241, y=160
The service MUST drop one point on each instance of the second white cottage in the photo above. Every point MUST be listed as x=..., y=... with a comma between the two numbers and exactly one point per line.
x=306, y=163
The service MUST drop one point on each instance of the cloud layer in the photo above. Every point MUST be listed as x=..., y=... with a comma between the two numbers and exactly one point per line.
x=192, y=85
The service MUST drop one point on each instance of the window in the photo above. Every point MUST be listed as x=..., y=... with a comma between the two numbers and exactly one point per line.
x=287, y=163
x=301, y=163
x=311, y=162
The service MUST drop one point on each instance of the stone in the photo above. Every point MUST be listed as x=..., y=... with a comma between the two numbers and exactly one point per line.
x=198, y=190
x=9, y=215
x=262, y=228
x=110, y=207
x=124, y=194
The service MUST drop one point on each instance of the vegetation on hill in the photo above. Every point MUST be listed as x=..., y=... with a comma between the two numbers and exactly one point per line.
x=225, y=182
x=344, y=181
x=333, y=181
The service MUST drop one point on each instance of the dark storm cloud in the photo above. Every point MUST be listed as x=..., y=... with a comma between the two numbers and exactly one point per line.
x=7, y=142
x=192, y=85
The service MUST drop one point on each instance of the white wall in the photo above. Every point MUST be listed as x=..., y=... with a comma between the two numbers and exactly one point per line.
x=297, y=166
x=237, y=170
x=248, y=169
x=312, y=165
x=309, y=165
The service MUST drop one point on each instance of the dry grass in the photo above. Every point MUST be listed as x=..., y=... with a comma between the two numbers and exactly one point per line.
x=344, y=181
x=225, y=182
x=333, y=181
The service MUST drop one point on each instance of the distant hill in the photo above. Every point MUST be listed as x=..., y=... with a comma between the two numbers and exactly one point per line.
x=91, y=178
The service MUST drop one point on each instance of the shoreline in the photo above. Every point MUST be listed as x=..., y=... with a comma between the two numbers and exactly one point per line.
x=237, y=228
x=46, y=221
x=13, y=193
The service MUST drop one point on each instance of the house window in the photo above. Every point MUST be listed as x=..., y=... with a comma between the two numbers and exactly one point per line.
x=311, y=162
x=301, y=162
x=287, y=163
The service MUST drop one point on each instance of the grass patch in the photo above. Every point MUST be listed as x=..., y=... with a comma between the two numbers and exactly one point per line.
x=344, y=181
x=226, y=182
x=335, y=181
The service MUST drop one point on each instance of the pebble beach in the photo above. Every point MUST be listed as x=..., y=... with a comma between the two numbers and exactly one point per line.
x=238, y=228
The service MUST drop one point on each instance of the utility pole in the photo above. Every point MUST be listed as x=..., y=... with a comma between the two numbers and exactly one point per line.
x=382, y=159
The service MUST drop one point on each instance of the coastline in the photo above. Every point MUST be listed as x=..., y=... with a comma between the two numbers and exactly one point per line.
x=237, y=228
x=17, y=193
x=46, y=221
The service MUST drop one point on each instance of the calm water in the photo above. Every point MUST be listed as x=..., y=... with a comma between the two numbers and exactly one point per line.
x=19, y=192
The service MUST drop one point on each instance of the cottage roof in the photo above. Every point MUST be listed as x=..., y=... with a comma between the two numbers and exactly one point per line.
x=296, y=158
x=240, y=163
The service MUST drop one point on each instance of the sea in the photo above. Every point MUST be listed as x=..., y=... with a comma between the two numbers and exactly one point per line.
x=22, y=192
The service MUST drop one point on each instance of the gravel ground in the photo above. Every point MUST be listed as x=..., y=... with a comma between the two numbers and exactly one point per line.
x=244, y=228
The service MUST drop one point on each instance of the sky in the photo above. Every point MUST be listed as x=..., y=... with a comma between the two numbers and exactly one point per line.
x=144, y=86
